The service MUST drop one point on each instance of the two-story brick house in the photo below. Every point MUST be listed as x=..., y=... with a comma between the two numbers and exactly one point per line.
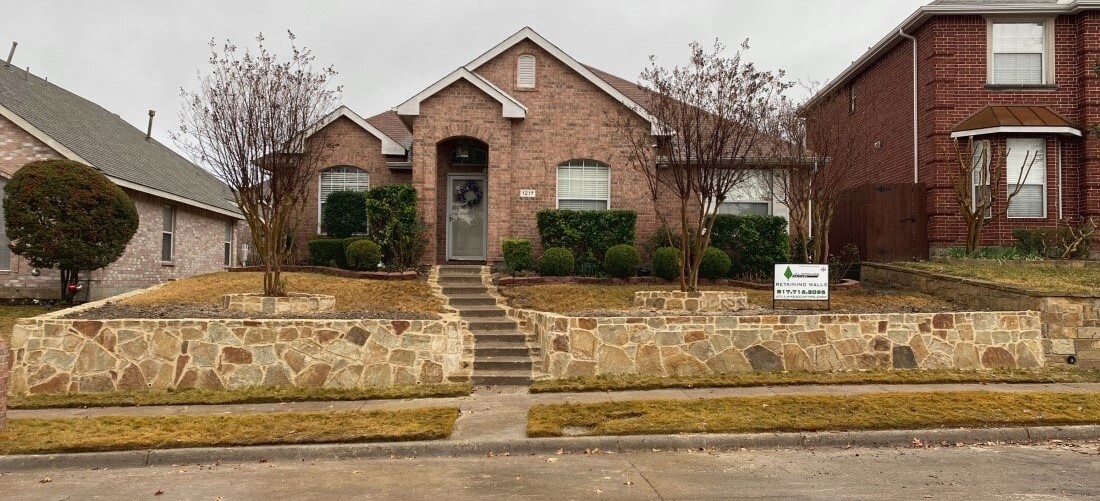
x=1017, y=74
x=522, y=128
x=186, y=217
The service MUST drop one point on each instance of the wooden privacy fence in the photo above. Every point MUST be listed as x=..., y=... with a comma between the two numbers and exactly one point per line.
x=887, y=222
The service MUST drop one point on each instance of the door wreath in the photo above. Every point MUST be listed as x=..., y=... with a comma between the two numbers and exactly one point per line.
x=468, y=194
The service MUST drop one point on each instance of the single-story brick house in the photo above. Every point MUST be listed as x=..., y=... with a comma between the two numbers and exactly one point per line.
x=1019, y=74
x=187, y=218
x=522, y=128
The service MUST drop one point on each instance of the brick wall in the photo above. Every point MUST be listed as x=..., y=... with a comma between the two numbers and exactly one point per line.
x=952, y=86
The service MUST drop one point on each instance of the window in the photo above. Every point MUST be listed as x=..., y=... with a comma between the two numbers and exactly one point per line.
x=228, y=251
x=753, y=197
x=168, y=233
x=525, y=71
x=1018, y=53
x=980, y=175
x=851, y=99
x=1026, y=163
x=5, y=252
x=341, y=178
x=584, y=185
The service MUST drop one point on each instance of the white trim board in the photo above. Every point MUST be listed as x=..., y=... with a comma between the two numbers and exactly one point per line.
x=71, y=155
x=389, y=146
x=510, y=107
x=529, y=34
x=1016, y=129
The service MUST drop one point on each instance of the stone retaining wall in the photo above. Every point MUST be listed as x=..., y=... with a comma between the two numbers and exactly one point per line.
x=699, y=301
x=4, y=353
x=1071, y=322
x=294, y=302
x=55, y=355
x=690, y=345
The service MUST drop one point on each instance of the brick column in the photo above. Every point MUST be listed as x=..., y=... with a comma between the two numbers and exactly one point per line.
x=5, y=368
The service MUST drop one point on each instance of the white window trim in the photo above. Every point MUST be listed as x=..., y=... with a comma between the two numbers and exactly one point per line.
x=986, y=148
x=557, y=182
x=320, y=179
x=769, y=199
x=1009, y=183
x=227, y=259
x=1048, y=48
x=171, y=233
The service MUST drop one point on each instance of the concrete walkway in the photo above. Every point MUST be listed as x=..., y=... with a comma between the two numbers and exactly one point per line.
x=500, y=412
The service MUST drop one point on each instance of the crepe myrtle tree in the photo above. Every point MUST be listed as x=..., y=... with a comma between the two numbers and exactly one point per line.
x=67, y=215
x=981, y=168
x=704, y=140
x=250, y=121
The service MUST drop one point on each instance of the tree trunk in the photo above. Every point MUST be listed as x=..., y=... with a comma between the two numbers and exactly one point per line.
x=68, y=277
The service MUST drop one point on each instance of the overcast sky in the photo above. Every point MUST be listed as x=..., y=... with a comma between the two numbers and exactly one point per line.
x=133, y=56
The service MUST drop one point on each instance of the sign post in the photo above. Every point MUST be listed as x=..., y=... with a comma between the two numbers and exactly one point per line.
x=801, y=282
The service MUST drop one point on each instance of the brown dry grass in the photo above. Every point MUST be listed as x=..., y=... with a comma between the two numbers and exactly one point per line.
x=571, y=298
x=877, y=411
x=749, y=379
x=10, y=313
x=258, y=395
x=352, y=294
x=1043, y=278
x=115, y=433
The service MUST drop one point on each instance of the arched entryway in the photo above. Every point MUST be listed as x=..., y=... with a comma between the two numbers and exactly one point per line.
x=463, y=205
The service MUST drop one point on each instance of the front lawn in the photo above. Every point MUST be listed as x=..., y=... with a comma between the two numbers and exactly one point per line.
x=581, y=298
x=796, y=413
x=118, y=433
x=1064, y=279
x=10, y=313
x=352, y=294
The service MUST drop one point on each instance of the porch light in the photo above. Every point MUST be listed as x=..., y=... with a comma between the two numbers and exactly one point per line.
x=462, y=153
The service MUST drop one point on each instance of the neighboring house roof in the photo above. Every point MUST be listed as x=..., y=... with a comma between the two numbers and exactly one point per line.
x=510, y=106
x=83, y=131
x=391, y=125
x=1018, y=119
x=952, y=7
x=389, y=145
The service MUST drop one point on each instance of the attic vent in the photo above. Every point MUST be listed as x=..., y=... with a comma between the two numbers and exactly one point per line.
x=525, y=71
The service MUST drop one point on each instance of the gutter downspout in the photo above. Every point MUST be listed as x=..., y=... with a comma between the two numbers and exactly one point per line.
x=916, y=163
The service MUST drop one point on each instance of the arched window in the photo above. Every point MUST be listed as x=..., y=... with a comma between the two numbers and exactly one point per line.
x=340, y=178
x=525, y=71
x=584, y=185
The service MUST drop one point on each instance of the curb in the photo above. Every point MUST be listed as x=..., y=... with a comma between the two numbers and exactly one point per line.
x=534, y=446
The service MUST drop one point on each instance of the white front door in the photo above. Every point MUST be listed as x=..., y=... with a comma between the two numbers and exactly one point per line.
x=467, y=220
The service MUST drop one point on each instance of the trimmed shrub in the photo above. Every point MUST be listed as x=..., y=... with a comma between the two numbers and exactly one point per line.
x=327, y=252
x=588, y=234
x=519, y=255
x=350, y=240
x=754, y=243
x=716, y=263
x=392, y=216
x=364, y=255
x=621, y=261
x=666, y=263
x=345, y=214
x=556, y=262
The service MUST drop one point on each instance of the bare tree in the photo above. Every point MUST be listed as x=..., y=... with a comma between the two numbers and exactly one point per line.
x=817, y=159
x=982, y=169
x=248, y=122
x=707, y=116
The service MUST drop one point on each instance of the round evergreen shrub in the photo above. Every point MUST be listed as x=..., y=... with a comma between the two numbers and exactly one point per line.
x=621, y=261
x=344, y=214
x=363, y=255
x=518, y=254
x=556, y=262
x=666, y=263
x=716, y=263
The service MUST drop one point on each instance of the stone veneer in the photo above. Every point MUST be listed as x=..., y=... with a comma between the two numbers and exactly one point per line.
x=4, y=353
x=690, y=345
x=56, y=355
x=700, y=301
x=294, y=302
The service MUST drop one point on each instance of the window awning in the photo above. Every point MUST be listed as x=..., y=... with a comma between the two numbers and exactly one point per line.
x=1014, y=120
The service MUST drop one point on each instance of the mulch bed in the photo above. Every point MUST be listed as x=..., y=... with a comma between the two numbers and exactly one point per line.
x=338, y=272
x=522, y=281
x=114, y=311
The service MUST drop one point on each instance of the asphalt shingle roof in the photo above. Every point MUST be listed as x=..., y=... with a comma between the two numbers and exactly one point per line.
x=108, y=142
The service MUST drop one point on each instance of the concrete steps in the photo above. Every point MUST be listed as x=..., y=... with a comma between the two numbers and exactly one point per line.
x=501, y=354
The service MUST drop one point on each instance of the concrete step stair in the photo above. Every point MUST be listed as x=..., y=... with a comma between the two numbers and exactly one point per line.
x=480, y=311
x=463, y=290
x=479, y=325
x=451, y=271
x=500, y=349
x=504, y=337
x=459, y=280
x=521, y=363
x=501, y=378
x=470, y=300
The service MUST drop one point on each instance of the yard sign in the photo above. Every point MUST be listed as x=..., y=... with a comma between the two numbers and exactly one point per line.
x=801, y=282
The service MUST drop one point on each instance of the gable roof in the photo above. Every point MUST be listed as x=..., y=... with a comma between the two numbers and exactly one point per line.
x=510, y=106
x=389, y=145
x=83, y=131
x=951, y=7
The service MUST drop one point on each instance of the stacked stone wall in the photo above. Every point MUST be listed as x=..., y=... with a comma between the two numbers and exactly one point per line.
x=4, y=354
